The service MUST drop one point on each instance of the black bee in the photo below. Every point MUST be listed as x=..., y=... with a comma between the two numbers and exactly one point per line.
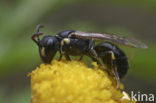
x=76, y=43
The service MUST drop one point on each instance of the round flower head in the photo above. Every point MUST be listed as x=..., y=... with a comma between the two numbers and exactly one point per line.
x=73, y=82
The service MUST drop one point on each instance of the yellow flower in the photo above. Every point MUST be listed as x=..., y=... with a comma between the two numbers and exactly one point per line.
x=73, y=82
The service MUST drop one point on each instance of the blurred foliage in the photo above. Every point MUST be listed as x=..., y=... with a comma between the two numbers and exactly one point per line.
x=143, y=63
x=18, y=97
x=19, y=18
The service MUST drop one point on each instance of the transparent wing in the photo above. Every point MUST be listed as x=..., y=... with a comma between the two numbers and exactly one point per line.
x=109, y=37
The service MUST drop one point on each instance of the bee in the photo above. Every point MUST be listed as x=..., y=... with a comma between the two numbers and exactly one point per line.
x=77, y=43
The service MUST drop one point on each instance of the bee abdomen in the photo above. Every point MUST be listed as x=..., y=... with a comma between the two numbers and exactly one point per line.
x=122, y=65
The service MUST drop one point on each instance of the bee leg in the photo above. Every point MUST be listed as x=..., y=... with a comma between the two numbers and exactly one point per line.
x=91, y=49
x=91, y=44
x=61, y=50
x=110, y=64
x=93, y=53
x=60, y=57
x=67, y=57
x=116, y=74
x=80, y=58
x=63, y=53
x=96, y=60
x=36, y=35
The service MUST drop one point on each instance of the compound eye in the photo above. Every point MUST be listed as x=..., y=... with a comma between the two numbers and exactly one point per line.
x=43, y=51
x=50, y=42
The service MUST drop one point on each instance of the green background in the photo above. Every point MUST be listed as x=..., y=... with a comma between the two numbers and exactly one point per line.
x=19, y=54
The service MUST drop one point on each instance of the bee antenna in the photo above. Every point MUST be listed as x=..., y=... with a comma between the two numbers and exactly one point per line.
x=39, y=26
x=37, y=33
